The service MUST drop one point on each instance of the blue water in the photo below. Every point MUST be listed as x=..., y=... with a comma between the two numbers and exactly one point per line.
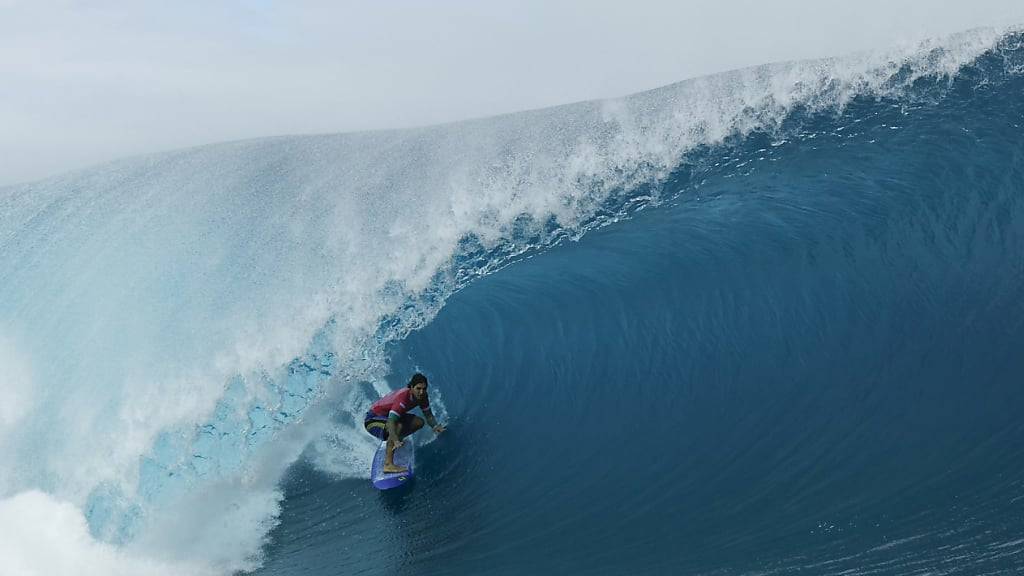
x=765, y=322
x=809, y=359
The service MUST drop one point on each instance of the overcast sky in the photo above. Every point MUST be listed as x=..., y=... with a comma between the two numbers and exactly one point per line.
x=87, y=81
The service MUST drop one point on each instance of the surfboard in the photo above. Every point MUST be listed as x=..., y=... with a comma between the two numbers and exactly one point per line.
x=404, y=456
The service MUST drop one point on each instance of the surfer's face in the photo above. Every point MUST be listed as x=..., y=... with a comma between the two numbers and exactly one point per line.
x=419, y=391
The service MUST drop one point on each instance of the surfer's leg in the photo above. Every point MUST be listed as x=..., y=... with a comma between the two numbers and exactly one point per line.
x=411, y=424
x=407, y=425
x=389, y=454
x=376, y=426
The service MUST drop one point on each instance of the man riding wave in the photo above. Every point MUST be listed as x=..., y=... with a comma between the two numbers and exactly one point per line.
x=389, y=418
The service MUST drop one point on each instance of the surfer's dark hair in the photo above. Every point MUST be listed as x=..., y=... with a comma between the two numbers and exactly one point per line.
x=416, y=379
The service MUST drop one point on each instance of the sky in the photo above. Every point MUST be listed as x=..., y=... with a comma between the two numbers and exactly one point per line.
x=82, y=82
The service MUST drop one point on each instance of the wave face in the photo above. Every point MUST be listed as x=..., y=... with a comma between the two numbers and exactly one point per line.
x=759, y=322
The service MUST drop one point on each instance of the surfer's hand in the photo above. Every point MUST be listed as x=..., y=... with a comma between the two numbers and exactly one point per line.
x=398, y=444
x=438, y=429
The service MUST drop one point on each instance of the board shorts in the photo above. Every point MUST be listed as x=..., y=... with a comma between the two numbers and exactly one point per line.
x=377, y=425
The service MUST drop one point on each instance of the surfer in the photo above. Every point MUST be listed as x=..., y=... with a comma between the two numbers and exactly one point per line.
x=389, y=418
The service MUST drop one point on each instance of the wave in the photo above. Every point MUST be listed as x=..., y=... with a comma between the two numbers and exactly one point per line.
x=177, y=329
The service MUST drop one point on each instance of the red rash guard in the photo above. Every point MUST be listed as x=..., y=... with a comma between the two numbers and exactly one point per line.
x=398, y=402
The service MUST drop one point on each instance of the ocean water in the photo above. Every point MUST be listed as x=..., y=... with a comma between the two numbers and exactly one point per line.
x=764, y=322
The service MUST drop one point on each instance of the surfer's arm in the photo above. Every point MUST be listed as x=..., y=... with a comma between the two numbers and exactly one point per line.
x=431, y=421
x=430, y=417
x=392, y=427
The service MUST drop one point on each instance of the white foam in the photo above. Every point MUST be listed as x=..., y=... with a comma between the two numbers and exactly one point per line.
x=16, y=386
x=43, y=536
x=228, y=523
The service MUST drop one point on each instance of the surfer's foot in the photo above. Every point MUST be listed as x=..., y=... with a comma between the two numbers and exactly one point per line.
x=394, y=469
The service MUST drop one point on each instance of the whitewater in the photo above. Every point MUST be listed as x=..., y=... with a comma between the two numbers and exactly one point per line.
x=188, y=340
